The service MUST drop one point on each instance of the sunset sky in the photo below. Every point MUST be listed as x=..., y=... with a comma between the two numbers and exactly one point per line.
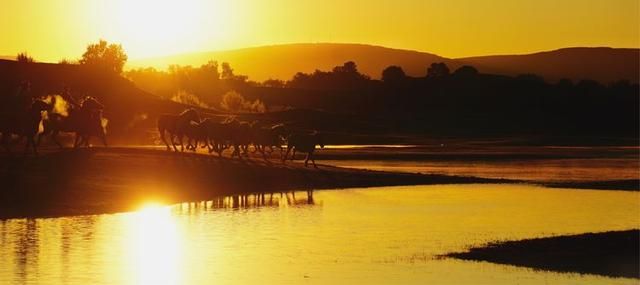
x=54, y=29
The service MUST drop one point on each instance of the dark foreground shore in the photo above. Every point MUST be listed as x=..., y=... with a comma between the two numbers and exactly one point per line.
x=103, y=180
x=614, y=254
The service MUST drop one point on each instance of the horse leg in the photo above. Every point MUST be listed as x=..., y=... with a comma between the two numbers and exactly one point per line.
x=284, y=158
x=293, y=155
x=162, y=133
x=32, y=140
x=27, y=145
x=40, y=135
x=313, y=160
x=306, y=160
x=173, y=142
x=54, y=137
x=180, y=140
x=75, y=140
x=103, y=137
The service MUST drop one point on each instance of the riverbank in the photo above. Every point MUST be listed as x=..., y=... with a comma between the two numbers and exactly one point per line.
x=104, y=180
x=614, y=254
x=117, y=179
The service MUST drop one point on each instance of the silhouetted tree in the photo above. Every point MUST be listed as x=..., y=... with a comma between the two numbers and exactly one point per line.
x=67, y=61
x=466, y=71
x=347, y=67
x=227, y=71
x=273, y=83
x=24, y=58
x=437, y=70
x=393, y=74
x=345, y=76
x=105, y=56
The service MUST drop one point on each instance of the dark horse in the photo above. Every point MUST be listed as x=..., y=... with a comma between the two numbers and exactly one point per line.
x=24, y=124
x=175, y=125
x=85, y=121
x=304, y=143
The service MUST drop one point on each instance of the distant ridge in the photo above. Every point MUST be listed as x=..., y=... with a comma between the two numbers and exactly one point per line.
x=283, y=61
x=603, y=64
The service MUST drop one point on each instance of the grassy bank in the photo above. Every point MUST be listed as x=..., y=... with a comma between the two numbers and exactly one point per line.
x=614, y=254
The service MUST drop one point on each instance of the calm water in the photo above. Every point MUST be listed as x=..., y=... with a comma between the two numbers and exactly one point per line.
x=531, y=170
x=385, y=235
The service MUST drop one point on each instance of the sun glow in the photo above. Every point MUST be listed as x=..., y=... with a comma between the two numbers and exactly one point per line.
x=156, y=27
x=155, y=246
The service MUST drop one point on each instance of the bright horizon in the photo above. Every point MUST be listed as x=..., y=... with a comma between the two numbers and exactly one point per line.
x=57, y=29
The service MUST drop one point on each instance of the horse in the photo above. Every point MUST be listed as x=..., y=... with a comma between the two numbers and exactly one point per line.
x=304, y=143
x=24, y=124
x=84, y=119
x=218, y=134
x=175, y=125
x=196, y=132
x=268, y=137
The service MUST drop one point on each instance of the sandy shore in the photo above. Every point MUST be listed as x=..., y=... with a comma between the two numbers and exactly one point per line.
x=103, y=180
x=614, y=254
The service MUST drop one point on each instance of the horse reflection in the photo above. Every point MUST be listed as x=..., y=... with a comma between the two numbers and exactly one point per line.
x=251, y=201
x=26, y=251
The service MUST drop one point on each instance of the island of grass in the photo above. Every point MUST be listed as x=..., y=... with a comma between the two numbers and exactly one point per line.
x=614, y=254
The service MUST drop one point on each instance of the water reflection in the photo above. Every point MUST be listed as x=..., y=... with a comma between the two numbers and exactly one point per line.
x=26, y=250
x=154, y=246
x=388, y=235
x=250, y=201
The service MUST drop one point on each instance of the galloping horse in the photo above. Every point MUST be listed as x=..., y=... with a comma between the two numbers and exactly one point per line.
x=85, y=121
x=304, y=143
x=91, y=123
x=175, y=125
x=24, y=124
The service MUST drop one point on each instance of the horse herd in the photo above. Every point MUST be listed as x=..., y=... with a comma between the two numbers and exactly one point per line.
x=231, y=133
x=37, y=118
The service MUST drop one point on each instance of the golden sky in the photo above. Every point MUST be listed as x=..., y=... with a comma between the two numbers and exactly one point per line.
x=54, y=29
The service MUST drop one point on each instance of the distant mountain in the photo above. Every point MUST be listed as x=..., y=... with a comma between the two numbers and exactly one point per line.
x=283, y=61
x=601, y=63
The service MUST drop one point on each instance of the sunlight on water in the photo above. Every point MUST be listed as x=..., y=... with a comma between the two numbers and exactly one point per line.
x=385, y=235
x=155, y=245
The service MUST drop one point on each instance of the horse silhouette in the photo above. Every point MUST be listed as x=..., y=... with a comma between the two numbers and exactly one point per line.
x=304, y=143
x=175, y=125
x=84, y=121
x=25, y=124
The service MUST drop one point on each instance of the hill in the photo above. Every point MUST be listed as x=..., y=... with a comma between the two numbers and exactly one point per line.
x=283, y=61
x=602, y=64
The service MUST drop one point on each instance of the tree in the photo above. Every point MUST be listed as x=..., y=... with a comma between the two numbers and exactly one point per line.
x=393, y=74
x=347, y=67
x=24, y=58
x=438, y=70
x=466, y=71
x=105, y=56
x=227, y=71
x=273, y=83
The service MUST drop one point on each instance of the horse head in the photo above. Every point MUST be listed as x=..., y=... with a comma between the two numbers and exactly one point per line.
x=40, y=105
x=91, y=103
x=190, y=115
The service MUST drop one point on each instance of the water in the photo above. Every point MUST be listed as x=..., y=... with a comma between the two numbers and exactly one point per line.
x=388, y=235
x=553, y=170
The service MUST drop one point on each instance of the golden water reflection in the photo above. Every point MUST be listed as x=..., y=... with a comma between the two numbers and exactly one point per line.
x=387, y=235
